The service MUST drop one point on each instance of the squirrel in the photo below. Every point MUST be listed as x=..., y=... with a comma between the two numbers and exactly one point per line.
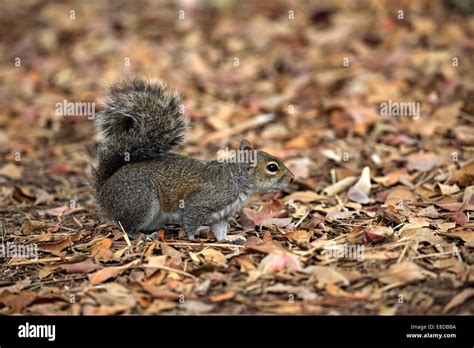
x=142, y=185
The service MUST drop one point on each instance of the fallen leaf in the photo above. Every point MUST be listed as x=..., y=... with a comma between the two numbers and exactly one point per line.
x=398, y=194
x=197, y=307
x=85, y=266
x=33, y=225
x=325, y=275
x=101, y=249
x=459, y=299
x=214, y=257
x=18, y=302
x=222, y=297
x=463, y=176
x=422, y=162
x=276, y=262
x=403, y=273
x=109, y=272
x=304, y=197
x=360, y=191
x=43, y=197
x=377, y=234
x=300, y=237
x=55, y=248
x=12, y=171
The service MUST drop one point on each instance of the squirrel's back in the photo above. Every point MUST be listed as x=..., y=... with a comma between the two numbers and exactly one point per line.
x=142, y=121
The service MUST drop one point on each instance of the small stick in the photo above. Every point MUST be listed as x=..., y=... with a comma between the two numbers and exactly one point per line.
x=403, y=253
x=222, y=245
x=435, y=254
x=125, y=235
x=43, y=260
x=169, y=269
x=52, y=281
x=256, y=121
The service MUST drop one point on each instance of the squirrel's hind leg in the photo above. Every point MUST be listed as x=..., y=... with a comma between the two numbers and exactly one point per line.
x=219, y=229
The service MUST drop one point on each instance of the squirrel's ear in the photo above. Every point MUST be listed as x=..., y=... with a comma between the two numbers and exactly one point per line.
x=249, y=155
x=245, y=145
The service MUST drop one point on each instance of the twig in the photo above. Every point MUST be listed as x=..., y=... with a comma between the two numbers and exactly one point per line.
x=435, y=254
x=239, y=128
x=53, y=281
x=222, y=245
x=169, y=269
x=301, y=220
x=403, y=253
x=43, y=260
x=125, y=236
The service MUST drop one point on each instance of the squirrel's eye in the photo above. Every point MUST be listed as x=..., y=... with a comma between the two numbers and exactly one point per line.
x=272, y=167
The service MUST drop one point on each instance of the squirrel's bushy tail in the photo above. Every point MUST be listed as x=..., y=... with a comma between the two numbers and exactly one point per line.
x=142, y=120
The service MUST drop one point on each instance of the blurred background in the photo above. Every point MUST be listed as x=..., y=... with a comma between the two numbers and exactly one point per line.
x=303, y=80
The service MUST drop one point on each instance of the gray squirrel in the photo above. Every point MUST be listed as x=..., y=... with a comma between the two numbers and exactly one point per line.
x=142, y=185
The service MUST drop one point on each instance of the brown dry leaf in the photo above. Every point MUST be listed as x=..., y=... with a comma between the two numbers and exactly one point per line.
x=448, y=189
x=378, y=234
x=422, y=235
x=279, y=222
x=156, y=261
x=85, y=266
x=12, y=171
x=430, y=212
x=276, y=262
x=269, y=210
x=226, y=296
x=18, y=302
x=422, y=162
x=89, y=309
x=46, y=271
x=304, y=197
x=55, y=248
x=325, y=275
x=300, y=237
x=109, y=272
x=101, y=249
x=400, y=193
x=467, y=236
x=43, y=197
x=197, y=307
x=214, y=257
x=301, y=291
x=16, y=287
x=336, y=291
x=33, y=225
x=403, y=273
x=463, y=176
x=63, y=211
x=456, y=206
x=459, y=299
x=158, y=306
x=114, y=294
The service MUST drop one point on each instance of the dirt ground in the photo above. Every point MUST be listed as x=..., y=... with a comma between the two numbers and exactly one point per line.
x=370, y=104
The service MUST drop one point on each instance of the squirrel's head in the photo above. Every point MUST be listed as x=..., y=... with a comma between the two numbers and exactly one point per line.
x=266, y=172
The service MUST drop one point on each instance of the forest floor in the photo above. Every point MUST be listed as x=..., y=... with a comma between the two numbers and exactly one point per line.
x=371, y=105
